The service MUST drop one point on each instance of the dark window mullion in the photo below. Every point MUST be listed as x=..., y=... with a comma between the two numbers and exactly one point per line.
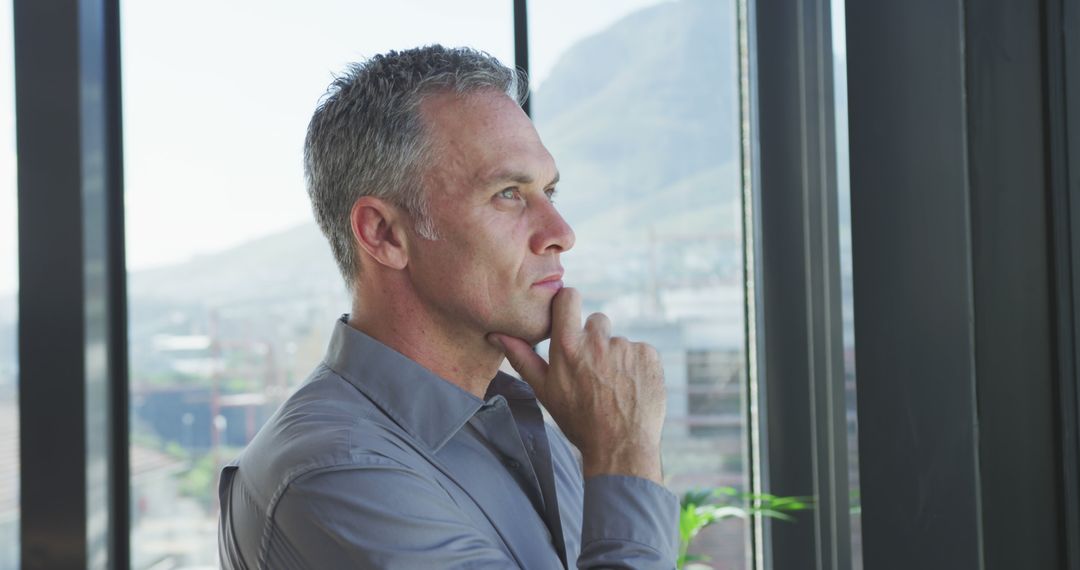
x=801, y=332
x=1062, y=21
x=67, y=146
x=117, y=296
x=521, y=45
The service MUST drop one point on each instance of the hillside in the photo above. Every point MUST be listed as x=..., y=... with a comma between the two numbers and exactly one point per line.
x=631, y=112
x=292, y=263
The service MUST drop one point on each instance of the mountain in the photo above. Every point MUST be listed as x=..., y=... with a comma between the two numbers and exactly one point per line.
x=648, y=103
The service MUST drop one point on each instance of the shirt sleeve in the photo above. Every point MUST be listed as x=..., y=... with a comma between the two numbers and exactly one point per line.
x=383, y=515
x=628, y=522
x=376, y=515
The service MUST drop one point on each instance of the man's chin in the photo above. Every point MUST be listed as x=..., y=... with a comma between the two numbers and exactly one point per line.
x=538, y=338
x=533, y=333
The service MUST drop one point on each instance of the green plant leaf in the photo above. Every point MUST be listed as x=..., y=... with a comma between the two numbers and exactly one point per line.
x=703, y=507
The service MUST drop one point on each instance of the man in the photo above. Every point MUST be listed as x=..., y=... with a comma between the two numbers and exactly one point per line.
x=406, y=447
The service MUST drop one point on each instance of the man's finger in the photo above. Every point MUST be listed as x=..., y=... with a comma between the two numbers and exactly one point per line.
x=566, y=314
x=599, y=324
x=532, y=368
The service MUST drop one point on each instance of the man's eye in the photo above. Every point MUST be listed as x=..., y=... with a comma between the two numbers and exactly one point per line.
x=551, y=192
x=508, y=194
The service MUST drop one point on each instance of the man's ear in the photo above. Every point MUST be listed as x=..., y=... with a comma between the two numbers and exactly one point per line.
x=379, y=229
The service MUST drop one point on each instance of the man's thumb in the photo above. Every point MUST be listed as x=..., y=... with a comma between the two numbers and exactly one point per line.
x=532, y=368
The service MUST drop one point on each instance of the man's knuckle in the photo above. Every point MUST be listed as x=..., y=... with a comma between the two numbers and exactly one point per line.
x=648, y=351
x=597, y=342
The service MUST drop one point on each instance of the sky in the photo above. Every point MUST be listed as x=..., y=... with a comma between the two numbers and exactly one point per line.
x=217, y=95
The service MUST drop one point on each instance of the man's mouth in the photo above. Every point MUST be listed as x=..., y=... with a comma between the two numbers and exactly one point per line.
x=553, y=282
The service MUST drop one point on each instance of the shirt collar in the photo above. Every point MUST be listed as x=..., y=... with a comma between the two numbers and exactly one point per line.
x=428, y=407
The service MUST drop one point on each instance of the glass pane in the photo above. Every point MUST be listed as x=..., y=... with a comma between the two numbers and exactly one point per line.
x=233, y=291
x=843, y=186
x=9, y=284
x=639, y=104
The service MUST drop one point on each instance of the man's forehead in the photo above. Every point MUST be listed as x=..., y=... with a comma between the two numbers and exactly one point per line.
x=480, y=107
x=486, y=138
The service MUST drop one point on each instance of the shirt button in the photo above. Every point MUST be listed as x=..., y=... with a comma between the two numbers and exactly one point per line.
x=513, y=464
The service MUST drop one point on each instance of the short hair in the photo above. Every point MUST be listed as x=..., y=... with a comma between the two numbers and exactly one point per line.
x=367, y=136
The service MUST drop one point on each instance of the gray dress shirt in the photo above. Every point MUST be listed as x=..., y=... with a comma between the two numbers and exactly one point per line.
x=376, y=462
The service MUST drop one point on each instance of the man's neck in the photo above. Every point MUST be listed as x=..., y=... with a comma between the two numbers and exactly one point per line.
x=469, y=363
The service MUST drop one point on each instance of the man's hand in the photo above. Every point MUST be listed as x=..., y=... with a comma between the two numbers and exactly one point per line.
x=607, y=394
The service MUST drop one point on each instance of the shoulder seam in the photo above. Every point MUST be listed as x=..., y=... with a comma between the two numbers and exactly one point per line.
x=306, y=470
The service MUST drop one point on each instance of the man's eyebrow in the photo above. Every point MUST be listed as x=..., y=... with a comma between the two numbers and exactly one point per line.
x=516, y=177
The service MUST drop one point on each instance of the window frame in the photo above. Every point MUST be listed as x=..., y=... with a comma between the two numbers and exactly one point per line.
x=1062, y=31
x=795, y=284
x=72, y=306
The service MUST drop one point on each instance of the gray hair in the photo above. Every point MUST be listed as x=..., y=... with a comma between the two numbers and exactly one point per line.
x=367, y=137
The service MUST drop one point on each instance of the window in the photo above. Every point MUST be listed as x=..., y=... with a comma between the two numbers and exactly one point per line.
x=9, y=271
x=639, y=104
x=232, y=289
x=221, y=328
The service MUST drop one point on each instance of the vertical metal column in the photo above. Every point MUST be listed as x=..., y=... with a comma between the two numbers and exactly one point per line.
x=801, y=338
x=116, y=274
x=1062, y=19
x=1011, y=253
x=914, y=313
x=67, y=110
x=756, y=415
x=521, y=45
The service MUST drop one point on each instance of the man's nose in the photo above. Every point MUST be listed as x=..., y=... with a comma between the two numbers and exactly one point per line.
x=552, y=232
